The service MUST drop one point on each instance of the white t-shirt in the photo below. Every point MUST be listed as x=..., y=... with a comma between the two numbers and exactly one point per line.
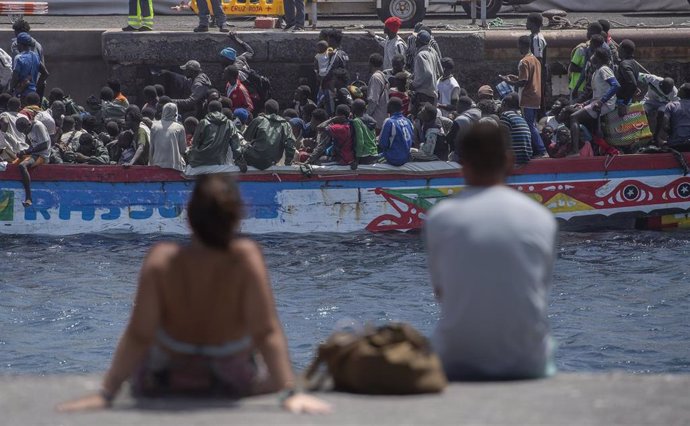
x=600, y=86
x=538, y=45
x=445, y=89
x=491, y=254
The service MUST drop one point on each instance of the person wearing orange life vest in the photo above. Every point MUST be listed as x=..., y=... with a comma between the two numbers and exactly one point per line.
x=140, y=16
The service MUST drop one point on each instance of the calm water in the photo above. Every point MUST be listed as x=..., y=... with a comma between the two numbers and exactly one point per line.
x=620, y=300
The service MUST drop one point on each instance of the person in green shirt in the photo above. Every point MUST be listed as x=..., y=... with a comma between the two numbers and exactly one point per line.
x=268, y=136
x=364, y=126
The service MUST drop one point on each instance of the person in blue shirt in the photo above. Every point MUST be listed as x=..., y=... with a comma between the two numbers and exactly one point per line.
x=396, y=135
x=27, y=68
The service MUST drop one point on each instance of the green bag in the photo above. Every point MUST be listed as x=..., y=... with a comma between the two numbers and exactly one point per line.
x=391, y=360
x=631, y=129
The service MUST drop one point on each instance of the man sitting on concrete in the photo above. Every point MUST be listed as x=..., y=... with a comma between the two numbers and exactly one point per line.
x=677, y=120
x=215, y=139
x=491, y=252
x=268, y=136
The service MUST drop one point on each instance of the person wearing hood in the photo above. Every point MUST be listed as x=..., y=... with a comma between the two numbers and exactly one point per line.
x=200, y=85
x=216, y=140
x=392, y=44
x=168, y=142
x=268, y=136
x=468, y=115
x=427, y=72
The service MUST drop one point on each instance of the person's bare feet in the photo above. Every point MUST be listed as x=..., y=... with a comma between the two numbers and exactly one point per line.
x=86, y=403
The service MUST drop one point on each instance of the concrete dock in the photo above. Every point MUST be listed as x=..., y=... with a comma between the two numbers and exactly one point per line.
x=582, y=399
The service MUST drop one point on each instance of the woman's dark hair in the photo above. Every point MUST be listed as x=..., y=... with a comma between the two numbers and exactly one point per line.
x=215, y=210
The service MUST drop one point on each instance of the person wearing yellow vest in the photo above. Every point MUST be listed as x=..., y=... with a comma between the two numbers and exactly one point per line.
x=140, y=16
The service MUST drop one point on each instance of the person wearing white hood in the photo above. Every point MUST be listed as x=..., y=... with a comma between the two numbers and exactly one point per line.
x=168, y=141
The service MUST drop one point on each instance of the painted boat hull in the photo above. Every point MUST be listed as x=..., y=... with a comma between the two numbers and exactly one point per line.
x=584, y=194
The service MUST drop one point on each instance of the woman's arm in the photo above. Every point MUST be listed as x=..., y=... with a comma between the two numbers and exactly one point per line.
x=134, y=343
x=268, y=336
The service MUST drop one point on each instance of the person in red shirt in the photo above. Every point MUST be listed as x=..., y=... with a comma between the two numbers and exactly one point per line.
x=399, y=90
x=235, y=90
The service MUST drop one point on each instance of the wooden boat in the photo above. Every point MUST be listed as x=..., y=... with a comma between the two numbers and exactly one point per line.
x=630, y=191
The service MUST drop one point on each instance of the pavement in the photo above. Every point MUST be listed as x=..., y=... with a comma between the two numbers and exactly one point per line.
x=577, y=399
x=185, y=21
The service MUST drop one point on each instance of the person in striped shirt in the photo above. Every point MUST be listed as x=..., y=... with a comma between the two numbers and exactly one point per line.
x=520, y=135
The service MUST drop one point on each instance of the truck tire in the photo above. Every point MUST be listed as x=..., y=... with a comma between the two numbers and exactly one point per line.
x=492, y=8
x=410, y=12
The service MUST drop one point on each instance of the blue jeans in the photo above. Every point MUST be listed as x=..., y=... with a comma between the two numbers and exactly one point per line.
x=294, y=13
x=530, y=115
x=204, y=13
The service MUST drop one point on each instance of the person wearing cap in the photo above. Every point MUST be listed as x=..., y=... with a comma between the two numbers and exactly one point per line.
x=392, y=44
x=28, y=70
x=200, y=85
x=294, y=15
x=412, y=45
x=426, y=73
x=486, y=92
x=242, y=119
x=140, y=15
x=205, y=15
x=235, y=89
x=448, y=88
x=229, y=56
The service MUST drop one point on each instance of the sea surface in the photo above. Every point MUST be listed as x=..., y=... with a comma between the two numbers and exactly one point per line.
x=620, y=301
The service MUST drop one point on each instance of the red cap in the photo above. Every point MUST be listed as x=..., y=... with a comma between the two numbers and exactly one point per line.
x=393, y=23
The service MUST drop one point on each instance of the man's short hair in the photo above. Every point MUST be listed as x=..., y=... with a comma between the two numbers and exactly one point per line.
x=115, y=85
x=597, y=41
x=160, y=89
x=232, y=71
x=56, y=94
x=394, y=105
x=215, y=106
x=627, y=46
x=14, y=104
x=150, y=92
x=487, y=106
x=605, y=25
x=447, y=63
x=305, y=90
x=535, y=18
x=464, y=103
x=484, y=148
x=271, y=106
x=21, y=26
x=512, y=101
x=398, y=59
x=319, y=115
x=376, y=60
x=342, y=110
x=32, y=98
x=524, y=41
x=22, y=123
x=595, y=28
x=667, y=85
x=359, y=106
x=107, y=94
x=601, y=55
x=290, y=113
x=429, y=110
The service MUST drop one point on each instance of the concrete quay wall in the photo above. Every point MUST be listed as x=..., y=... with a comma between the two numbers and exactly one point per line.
x=283, y=57
x=567, y=399
x=80, y=61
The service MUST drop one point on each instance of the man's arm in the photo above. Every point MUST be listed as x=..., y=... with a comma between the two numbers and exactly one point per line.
x=375, y=91
x=249, y=52
x=384, y=138
x=198, y=92
x=289, y=146
x=101, y=156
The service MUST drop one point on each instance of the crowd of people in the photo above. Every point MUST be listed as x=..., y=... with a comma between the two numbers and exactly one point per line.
x=412, y=108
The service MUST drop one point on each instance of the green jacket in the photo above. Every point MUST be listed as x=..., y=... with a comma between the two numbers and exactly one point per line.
x=212, y=139
x=96, y=154
x=269, y=136
x=365, y=136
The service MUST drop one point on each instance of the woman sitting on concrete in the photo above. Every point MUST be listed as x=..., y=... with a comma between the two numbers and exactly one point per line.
x=204, y=321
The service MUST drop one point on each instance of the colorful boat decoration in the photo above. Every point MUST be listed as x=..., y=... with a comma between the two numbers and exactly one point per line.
x=650, y=191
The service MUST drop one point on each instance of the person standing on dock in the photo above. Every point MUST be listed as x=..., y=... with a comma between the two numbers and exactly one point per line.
x=491, y=254
x=140, y=16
